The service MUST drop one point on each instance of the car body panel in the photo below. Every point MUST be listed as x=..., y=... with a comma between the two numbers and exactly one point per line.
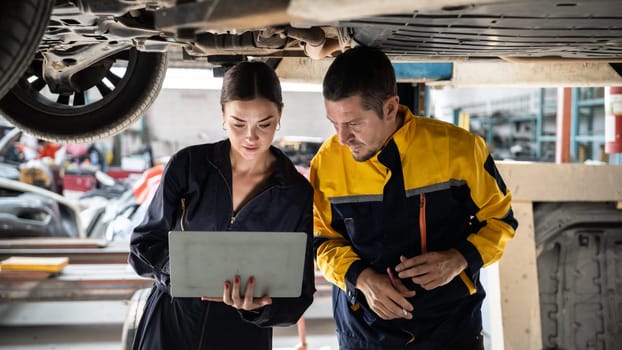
x=69, y=211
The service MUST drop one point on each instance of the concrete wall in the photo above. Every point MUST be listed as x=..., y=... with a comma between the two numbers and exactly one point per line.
x=182, y=117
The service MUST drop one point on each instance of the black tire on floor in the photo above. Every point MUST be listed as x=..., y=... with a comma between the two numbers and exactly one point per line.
x=122, y=102
x=22, y=24
x=134, y=314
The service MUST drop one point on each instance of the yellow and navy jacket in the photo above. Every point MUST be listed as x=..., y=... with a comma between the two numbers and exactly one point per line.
x=433, y=187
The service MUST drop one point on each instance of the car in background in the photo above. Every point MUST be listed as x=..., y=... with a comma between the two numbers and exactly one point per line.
x=300, y=150
x=31, y=211
x=9, y=156
x=79, y=70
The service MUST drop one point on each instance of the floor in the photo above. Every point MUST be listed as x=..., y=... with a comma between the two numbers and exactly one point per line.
x=320, y=336
x=98, y=325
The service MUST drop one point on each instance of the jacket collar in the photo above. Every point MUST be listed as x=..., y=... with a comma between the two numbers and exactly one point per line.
x=403, y=135
x=284, y=170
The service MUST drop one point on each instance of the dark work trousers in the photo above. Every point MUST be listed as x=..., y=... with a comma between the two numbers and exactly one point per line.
x=476, y=343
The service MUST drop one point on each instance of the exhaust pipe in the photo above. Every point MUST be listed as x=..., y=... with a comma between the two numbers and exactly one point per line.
x=316, y=45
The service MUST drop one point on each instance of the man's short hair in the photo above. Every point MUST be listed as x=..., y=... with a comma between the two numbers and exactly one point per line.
x=363, y=71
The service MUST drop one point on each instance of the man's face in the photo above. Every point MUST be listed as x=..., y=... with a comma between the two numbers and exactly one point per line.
x=361, y=130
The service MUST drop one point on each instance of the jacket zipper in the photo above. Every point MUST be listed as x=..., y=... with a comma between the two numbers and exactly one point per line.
x=412, y=337
x=183, y=213
x=234, y=217
x=424, y=248
x=422, y=224
x=231, y=221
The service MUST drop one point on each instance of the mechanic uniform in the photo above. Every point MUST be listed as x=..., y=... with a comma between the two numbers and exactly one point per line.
x=195, y=194
x=433, y=187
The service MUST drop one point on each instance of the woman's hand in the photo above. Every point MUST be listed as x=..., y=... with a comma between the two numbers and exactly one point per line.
x=231, y=296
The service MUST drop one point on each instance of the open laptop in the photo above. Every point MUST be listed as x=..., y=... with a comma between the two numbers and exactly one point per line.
x=201, y=262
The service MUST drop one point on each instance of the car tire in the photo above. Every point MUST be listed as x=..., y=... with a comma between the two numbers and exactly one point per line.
x=124, y=102
x=135, y=312
x=22, y=24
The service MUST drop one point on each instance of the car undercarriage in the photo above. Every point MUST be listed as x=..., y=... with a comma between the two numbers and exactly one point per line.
x=87, y=69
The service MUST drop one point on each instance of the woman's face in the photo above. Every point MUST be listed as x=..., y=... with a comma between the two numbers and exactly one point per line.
x=251, y=126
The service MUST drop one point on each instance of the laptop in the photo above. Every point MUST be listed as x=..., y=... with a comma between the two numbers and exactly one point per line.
x=201, y=262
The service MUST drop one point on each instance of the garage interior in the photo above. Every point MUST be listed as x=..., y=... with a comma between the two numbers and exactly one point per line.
x=570, y=230
x=543, y=88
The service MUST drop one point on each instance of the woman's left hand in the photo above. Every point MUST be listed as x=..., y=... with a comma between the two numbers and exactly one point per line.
x=231, y=295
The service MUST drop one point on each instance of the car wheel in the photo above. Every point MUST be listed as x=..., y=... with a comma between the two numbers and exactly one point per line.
x=135, y=312
x=108, y=96
x=22, y=23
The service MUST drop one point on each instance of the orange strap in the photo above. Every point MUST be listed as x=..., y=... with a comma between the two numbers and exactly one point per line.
x=422, y=225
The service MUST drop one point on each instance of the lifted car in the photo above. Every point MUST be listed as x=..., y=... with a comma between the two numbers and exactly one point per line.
x=79, y=70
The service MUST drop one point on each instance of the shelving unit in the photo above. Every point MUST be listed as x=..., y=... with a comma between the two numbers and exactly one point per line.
x=546, y=125
x=588, y=135
x=510, y=125
x=523, y=127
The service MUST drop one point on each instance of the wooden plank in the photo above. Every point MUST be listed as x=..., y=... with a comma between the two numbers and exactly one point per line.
x=28, y=275
x=549, y=182
x=61, y=313
x=518, y=275
x=75, y=256
x=77, y=282
x=30, y=263
x=58, y=243
x=111, y=253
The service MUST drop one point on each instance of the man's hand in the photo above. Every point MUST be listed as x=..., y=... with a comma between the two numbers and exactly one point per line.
x=387, y=302
x=432, y=269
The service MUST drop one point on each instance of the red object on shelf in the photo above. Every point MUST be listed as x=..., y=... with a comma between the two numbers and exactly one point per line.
x=79, y=182
x=613, y=119
x=119, y=173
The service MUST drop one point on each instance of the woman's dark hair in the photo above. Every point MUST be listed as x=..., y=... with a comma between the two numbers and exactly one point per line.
x=363, y=71
x=248, y=80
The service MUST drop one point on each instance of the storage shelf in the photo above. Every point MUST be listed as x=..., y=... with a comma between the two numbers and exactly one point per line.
x=532, y=136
